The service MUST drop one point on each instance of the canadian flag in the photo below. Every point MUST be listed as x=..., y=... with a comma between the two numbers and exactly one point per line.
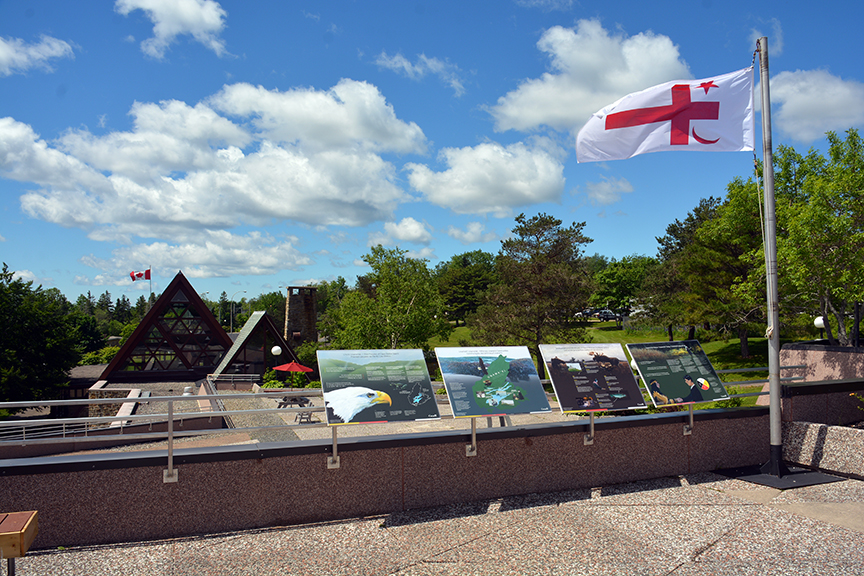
x=710, y=115
x=145, y=275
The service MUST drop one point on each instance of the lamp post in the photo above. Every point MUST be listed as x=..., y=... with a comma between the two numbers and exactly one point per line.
x=819, y=323
x=232, y=307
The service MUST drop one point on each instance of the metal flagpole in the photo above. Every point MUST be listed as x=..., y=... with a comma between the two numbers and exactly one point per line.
x=774, y=466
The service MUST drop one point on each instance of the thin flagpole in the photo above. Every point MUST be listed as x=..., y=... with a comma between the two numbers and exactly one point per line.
x=774, y=466
x=150, y=269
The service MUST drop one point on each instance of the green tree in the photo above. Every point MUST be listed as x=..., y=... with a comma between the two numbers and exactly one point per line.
x=405, y=311
x=39, y=343
x=680, y=235
x=223, y=309
x=463, y=281
x=617, y=285
x=271, y=302
x=123, y=309
x=90, y=338
x=726, y=287
x=541, y=285
x=330, y=294
x=662, y=298
x=822, y=249
x=141, y=308
x=86, y=304
x=104, y=303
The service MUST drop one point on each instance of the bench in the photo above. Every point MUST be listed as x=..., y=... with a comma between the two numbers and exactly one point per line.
x=17, y=532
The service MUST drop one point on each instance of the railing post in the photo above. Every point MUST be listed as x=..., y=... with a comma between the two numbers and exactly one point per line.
x=588, y=439
x=471, y=449
x=333, y=460
x=688, y=428
x=170, y=475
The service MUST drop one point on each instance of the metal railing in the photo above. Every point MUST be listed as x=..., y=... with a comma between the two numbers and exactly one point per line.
x=120, y=429
x=48, y=430
x=753, y=382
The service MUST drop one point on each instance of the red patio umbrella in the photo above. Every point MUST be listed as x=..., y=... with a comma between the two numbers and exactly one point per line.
x=292, y=367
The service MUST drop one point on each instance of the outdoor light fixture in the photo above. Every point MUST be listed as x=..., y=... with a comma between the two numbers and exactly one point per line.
x=819, y=323
x=276, y=350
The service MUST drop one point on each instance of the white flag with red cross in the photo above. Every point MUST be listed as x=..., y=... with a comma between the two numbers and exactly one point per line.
x=710, y=115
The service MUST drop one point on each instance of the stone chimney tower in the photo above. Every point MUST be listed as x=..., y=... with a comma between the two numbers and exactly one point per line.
x=301, y=315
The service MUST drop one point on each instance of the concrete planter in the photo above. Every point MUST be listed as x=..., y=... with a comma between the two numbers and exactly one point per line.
x=832, y=448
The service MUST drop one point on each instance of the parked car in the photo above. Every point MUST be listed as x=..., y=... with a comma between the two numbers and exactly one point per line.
x=604, y=315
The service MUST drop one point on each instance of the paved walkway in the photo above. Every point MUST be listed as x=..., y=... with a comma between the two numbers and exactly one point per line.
x=698, y=524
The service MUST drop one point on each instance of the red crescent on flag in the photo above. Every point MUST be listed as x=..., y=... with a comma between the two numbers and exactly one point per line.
x=703, y=140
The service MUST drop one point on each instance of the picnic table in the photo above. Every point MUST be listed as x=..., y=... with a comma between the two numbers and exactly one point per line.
x=17, y=532
x=302, y=402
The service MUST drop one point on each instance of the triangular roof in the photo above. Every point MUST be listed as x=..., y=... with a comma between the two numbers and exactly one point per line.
x=251, y=352
x=178, y=339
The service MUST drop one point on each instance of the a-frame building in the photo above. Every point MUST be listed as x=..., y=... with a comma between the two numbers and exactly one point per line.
x=252, y=352
x=179, y=339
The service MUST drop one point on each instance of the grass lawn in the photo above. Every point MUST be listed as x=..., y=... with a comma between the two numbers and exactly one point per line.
x=460, y=333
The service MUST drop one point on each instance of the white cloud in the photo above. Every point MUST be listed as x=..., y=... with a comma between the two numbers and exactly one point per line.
x=26, y=276
x=490, y=178
x=25, y=157
x=608, y=191
x=170, y=136
x=590, y=69
x=446, y=72
x=775, y=40
x=212, y=254
x=16, y=56
x=427, y=253
x=204, y=20
x=808, y=103
x=348, y=114
x=406, y=230
x=473, y=233
x=184, y=170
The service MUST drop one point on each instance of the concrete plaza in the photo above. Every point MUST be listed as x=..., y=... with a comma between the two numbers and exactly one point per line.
x=698, y=524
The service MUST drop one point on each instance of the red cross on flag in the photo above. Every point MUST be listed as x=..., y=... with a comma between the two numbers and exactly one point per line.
x=145, y=275
x=710, y=115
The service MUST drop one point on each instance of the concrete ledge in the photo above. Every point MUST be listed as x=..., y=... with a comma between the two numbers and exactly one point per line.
x=126, y=408
x=80, y=497
x=831, y=448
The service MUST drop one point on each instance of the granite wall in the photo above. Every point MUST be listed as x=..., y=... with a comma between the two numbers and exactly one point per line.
x=107, y=498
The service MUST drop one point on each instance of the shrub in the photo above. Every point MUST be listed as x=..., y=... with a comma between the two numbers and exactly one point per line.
x=103, y=356
x=271, y=380
x=731, y=402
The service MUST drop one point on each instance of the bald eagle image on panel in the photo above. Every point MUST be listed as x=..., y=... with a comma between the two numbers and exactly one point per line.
x=491, y=381
x=363, y=386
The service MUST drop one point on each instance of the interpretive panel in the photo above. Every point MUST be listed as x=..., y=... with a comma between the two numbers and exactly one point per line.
x=362, y=386
x=677, y=372
x=491, y=381
x=591, y=377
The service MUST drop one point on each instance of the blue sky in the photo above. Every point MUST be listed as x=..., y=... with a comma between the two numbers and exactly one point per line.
x=254, y=145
